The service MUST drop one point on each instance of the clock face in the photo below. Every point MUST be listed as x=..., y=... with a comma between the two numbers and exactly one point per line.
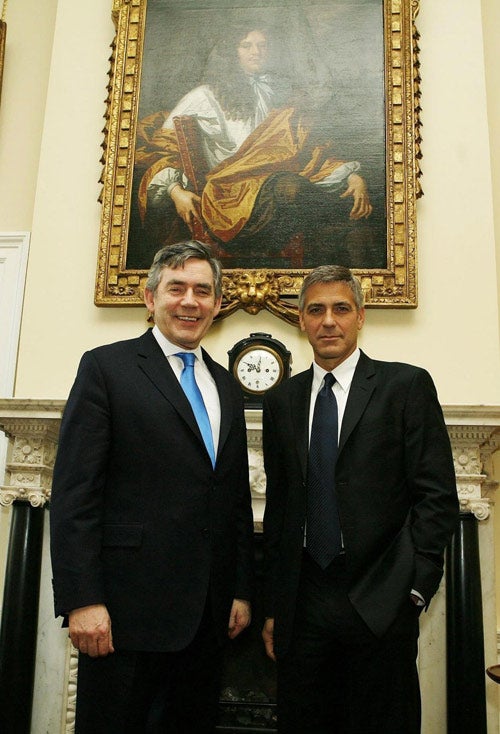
x=258, y=369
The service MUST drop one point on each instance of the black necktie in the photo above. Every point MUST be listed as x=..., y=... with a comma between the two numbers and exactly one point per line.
x=323, y=536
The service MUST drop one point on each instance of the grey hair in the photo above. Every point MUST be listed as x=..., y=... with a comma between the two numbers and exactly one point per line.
x=175, y=256
x=332, y=274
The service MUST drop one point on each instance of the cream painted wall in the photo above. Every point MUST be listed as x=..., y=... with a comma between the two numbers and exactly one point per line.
x=455, y=222
x=26, y=71
x=491, y=25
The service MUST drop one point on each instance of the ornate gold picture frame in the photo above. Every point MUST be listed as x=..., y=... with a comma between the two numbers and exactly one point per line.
x=352, y=113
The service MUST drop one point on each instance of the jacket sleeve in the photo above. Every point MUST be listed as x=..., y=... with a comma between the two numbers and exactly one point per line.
x=274, y=515
x=431, y=477
x=77, y=492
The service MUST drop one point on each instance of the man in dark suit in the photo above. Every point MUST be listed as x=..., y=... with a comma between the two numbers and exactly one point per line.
x=342, y=611
x=151, y=521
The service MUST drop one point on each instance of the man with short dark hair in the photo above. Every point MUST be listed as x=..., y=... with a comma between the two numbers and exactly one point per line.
x=151, y=521
x=361, y=502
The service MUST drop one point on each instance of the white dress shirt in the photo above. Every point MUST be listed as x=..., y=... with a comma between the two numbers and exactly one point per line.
x=343, y=377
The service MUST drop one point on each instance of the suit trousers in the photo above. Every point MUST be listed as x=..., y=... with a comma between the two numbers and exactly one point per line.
x=135, y=692
x=337, y=677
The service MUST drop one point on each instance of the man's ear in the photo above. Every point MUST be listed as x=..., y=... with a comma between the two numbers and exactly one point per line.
x=149, y=300
x=301, y=322
x=217, y=305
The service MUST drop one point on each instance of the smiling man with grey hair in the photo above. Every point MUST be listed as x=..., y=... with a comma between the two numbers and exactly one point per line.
x=151, y=521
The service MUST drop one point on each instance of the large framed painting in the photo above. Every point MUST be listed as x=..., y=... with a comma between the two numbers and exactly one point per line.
x=283, y=133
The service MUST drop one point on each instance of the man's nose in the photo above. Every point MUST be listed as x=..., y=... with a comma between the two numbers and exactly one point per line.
x=189, y=297
x=329, y=318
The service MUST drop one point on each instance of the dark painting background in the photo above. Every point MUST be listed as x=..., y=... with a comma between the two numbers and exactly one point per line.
x=334, y=49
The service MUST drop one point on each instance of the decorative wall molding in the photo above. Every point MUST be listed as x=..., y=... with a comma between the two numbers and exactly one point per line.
x=69, y=701
x=14, y=247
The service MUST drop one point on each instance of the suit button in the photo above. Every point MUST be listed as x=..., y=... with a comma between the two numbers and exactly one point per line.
x=205, y=531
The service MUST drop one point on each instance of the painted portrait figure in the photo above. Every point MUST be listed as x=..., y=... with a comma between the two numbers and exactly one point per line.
x=273, y=188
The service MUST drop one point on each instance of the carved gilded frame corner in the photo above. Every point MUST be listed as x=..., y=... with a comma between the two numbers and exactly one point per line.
x=394, y=285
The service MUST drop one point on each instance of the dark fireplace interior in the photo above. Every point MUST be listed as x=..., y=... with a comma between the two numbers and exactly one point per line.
x=248, y=694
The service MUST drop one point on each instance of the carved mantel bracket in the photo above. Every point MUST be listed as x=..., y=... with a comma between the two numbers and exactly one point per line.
x=33, y=429
x=475, y=436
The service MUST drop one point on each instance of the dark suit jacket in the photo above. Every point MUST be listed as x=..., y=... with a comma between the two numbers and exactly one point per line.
x=395, y=487
x=140, y=521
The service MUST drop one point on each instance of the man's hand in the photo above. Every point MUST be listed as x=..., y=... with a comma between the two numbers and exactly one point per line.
x=356, y=187
x=187, y=205
x=239, y=618
x=90, y=630
x=268, y=637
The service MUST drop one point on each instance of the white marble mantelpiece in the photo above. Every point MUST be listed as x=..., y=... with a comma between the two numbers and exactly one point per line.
x=33, y=429
x=256, y=465
x=475, y=436
x=33, y=426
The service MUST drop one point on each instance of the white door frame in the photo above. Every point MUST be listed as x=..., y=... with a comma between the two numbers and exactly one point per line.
x=14, y=247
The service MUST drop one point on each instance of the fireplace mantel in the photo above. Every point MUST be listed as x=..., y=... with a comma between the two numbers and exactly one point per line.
x=32, y=427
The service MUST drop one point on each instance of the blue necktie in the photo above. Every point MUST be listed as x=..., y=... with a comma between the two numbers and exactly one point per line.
x=193, y=394
x=323, y=538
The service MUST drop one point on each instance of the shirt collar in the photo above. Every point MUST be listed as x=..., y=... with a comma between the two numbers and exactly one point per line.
x=343, y=373
x=169, y=349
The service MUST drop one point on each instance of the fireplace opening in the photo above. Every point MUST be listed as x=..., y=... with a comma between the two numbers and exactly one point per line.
x=248, y=694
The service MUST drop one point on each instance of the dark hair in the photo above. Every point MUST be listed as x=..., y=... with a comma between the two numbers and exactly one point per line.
x=226, y=78
x=175, y=256
x=332, y=274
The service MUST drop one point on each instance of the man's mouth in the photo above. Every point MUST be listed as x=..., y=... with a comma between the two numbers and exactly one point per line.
x=191, y=319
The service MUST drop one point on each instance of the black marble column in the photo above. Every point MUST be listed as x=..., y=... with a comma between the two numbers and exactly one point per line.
x=18, y=631
x=466, y=689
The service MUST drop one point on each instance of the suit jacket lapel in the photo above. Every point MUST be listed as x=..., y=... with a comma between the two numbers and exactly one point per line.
x=156, y=366
x=300, y=401
x=362, y=387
